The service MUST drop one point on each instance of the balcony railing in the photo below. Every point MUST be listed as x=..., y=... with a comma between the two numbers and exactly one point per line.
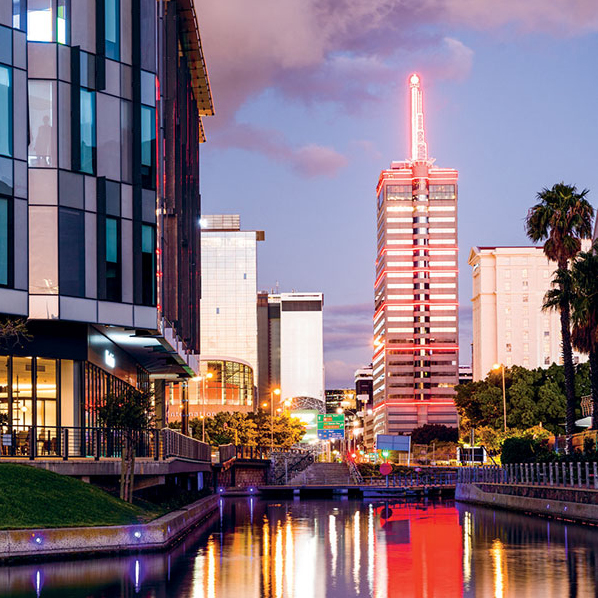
x=44, y=442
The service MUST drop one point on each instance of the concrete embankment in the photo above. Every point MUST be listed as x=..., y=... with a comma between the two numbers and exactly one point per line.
x=155, y=535
x=577, y=504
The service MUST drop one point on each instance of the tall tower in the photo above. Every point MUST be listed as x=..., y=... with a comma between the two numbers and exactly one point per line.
x=416, y=321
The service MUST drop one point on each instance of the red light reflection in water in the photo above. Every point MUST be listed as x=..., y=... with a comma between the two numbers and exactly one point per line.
x=424, y=551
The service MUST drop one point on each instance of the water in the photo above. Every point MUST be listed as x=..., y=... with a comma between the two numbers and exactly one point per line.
x=339, y=549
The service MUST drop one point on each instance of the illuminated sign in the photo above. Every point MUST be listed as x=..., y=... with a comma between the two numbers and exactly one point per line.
x=308, y=418
x=109, y=359
x=331, y=426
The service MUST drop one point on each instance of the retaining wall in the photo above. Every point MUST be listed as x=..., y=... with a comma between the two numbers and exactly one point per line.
x=155, y=535
x=577, y=504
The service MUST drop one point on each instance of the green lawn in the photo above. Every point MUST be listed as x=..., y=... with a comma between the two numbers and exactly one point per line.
x=32, y=497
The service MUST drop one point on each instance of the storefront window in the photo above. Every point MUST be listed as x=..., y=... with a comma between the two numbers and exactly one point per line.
x=22, y=398
x=3, y=392
x=46, y=395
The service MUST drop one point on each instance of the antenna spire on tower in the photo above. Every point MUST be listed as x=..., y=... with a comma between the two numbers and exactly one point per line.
x=419, y=147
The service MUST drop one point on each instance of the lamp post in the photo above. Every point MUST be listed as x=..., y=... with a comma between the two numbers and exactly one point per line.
x=276, y=392
x=208, y=376
x=496, y=367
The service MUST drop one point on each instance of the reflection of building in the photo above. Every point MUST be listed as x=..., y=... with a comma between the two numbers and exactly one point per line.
x=416, y=355
x=343, y=398
x=509, y=326
x=228, y=301
x=291, y=343
x=95, y=202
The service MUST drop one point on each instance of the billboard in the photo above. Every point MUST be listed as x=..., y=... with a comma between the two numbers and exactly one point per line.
x=393, y=442
x=331, y=426
x=308, y=418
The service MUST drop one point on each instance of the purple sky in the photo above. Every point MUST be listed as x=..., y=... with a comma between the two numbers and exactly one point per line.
x=311, y=103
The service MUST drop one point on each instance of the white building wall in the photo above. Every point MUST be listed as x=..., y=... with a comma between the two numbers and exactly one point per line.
x=509, y=326
x=301, y=349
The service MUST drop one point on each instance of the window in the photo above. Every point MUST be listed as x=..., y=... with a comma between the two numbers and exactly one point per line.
x=113, y=278
x=42, y=118
x=525, y=323
x=507, y=286
x=547, y=333
x=148, y=147
x=508, y=347
x=6, y=111
x=19, y=14
x=507, y=274
x=47, y=20
x=525, y=284
x=71, y=241
x=112, y=29
x=4, y=243
x=508, y=311
x=525, y=298
x=88, y=131
x=524, y=273
x=148, y=264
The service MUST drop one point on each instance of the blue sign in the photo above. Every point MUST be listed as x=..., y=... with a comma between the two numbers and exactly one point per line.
x=331, y=434
x=393, y=442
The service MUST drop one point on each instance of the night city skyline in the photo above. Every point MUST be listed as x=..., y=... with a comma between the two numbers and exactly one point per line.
x=325, y=109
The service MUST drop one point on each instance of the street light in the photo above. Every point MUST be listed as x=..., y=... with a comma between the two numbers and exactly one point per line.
x=203, y=379
x=276, y=392
x=496, y=367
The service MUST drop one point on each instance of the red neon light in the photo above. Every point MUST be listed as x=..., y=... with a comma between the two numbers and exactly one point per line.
x=395, y=403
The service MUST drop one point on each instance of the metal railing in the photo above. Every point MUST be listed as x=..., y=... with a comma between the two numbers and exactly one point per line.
x=410, y=480
x=68, y=442
x=355, y=473
x=580, y=475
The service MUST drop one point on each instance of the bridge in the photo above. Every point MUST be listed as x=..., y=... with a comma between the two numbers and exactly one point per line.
x=342, y=479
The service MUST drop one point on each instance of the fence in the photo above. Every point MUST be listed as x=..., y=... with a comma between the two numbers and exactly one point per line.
x=416, y=479
x=580, y=475
x=40, y=442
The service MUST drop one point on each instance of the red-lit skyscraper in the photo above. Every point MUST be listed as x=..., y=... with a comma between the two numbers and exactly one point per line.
x=416, y=320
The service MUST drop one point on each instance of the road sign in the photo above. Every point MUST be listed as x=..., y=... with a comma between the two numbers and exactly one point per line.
x=331, y=426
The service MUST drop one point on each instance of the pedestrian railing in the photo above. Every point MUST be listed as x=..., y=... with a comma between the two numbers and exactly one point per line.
x=414, y=480
x=580, y=475
x=69, y=442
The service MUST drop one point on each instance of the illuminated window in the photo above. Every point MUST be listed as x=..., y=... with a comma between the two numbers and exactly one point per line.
x=47, y=20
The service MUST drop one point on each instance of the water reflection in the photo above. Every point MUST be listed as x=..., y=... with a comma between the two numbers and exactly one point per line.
x=339, y=549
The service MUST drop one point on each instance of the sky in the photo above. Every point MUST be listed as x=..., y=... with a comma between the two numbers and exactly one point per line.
x=311, y=102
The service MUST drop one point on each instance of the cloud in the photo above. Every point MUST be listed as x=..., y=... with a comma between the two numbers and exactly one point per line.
x=350, y=52
x=309, y=160
x=348, y=327
x=340, y=374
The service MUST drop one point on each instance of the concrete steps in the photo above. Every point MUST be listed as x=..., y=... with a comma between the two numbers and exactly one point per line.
x=323, y=474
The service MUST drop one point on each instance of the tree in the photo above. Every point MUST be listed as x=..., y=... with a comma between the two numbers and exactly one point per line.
x=584, y=303
x=429, y=433
x=562, y=218
x=13, y=332
x=225, y=428
x=129, y=412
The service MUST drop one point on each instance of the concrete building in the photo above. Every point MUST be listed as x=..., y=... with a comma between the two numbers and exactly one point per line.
x=509, y=326
x=99, y=203
x=228, y=305
x=291, y=347
x=416, y=327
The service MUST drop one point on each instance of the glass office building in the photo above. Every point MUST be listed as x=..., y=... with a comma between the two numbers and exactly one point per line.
x=97, y=189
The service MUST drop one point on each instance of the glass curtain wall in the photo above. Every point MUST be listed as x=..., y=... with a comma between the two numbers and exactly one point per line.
x=47, y=20
x=42, y=124
x=6, y=110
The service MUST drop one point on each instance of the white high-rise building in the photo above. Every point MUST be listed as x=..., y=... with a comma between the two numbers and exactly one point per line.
x=509, y=326
x=228, y=322
x=293, y=340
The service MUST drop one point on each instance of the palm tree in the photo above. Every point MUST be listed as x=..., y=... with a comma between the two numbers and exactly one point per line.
x=584, y=316
x=562, y=218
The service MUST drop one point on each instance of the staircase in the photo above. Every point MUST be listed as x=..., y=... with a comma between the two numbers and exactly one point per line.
x=323, y=474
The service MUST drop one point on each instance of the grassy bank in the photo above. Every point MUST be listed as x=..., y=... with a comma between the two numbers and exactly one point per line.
x=32, y=497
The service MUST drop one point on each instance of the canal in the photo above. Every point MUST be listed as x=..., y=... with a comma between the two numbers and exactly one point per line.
x=338, y=549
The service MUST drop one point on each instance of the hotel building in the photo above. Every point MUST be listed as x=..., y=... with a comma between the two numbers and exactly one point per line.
x=100, y=124
x=416, y=353
x=509, y=326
